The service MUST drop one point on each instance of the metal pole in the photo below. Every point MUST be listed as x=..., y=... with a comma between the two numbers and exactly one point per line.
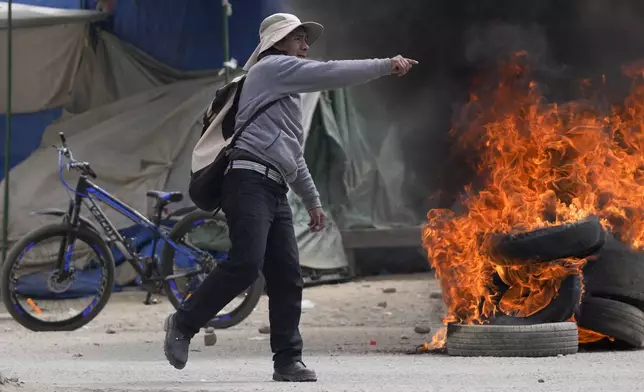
x=7, y=137
x=225, y=12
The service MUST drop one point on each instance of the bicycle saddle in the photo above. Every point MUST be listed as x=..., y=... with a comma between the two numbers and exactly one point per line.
x=172, y=197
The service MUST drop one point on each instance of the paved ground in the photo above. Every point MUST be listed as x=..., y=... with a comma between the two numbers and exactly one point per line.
x=338, y=332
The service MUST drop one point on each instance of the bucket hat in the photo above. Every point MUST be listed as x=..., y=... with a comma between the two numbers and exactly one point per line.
x=277, y=26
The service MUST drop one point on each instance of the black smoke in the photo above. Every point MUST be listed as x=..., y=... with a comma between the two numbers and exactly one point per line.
x=455, y=40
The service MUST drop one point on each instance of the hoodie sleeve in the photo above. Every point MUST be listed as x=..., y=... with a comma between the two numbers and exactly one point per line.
x=296, y=75
x=304, y=187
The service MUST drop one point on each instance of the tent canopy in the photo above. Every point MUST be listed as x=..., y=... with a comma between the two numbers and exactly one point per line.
x=47, y=45
x=35, y=16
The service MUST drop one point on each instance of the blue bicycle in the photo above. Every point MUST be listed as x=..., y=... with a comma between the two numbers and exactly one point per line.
x=39, y=291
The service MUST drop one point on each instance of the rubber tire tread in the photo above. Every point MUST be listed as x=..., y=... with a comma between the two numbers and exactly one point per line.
x=167, y=268
x=538, y=340
x=90, y=237
x=631, y=297
x=616, y=265
x=579, y=239
x=613, y=318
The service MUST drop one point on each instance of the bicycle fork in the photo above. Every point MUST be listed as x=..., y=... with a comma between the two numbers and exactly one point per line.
x=66, y=248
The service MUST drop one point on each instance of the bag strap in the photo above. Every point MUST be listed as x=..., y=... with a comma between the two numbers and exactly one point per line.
x=250, y=120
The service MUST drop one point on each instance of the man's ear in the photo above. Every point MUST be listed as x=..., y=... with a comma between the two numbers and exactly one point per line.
x=279, y=45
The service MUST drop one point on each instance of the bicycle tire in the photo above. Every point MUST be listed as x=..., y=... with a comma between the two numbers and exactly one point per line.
x=254, y=292
x=43, y=233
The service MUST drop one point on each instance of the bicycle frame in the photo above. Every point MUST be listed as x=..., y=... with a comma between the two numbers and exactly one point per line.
x=87, y=191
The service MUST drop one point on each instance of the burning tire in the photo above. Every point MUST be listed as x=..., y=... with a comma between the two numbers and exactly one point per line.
x=580, y=239
x=539, y=340
x=561, y=308
x=617, y=271
x=631, y=297
x=616, y=319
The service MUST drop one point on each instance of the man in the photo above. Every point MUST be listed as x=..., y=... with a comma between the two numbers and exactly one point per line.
x=268, y=158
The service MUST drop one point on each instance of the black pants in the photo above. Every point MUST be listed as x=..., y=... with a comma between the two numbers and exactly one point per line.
x=260, y=223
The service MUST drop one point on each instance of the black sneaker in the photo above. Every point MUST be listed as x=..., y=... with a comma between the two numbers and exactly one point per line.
x=295, y=372
x=176, y=345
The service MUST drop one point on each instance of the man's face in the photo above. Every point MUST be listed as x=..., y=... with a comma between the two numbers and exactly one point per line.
x=295, y=44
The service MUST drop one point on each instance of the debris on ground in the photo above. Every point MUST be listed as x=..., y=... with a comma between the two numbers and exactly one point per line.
x=110, y=331
x=10, y=381
x=382, y=304
x=436, y=295
x=404, y=337
x=306, y=304
x=210, y=338
x=422, y=329
x=265, y=329
x=389, y=290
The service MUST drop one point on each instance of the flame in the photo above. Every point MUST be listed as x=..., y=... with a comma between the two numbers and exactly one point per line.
x=438, y=341
x=538, y=165
x=588, y=336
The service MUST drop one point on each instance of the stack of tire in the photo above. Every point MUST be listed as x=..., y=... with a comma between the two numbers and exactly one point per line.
x=612, y=303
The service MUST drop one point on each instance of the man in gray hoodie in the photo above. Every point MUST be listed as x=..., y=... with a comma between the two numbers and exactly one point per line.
x=267, y=159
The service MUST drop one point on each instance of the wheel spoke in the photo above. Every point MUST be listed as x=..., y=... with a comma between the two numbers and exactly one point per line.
x=41, y=294
x=204, y=243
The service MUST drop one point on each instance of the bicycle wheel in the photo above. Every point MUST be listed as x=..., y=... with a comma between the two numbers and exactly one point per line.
x=33, y=288
x=205, y=237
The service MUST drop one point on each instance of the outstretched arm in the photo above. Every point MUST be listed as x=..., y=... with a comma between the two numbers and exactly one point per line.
x=296, y=75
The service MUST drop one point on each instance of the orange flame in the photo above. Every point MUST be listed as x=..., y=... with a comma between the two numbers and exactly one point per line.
x=541, y=165
x=588, y=336
x=438, y=340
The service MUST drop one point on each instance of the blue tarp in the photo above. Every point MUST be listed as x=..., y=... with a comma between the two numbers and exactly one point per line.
x=26, y=133
x=188, y=34
x=34, y=286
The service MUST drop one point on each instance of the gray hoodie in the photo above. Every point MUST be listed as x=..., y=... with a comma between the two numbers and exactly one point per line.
x=276, y=136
